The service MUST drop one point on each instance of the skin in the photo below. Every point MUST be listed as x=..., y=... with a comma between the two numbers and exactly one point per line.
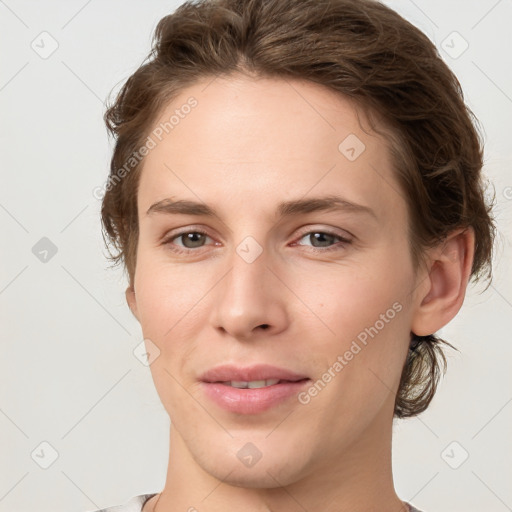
x=248, y=145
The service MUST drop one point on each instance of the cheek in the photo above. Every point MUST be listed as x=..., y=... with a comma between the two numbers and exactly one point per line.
x=168, y=297
x=359, y=363
x=347, y=299
x=363, y=316
x=169, y=303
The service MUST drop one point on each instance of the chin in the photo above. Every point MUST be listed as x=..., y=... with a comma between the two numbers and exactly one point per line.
x=252, y=478
x=255, y=462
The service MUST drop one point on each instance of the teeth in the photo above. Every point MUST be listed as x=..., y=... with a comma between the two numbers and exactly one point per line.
x=253, y=384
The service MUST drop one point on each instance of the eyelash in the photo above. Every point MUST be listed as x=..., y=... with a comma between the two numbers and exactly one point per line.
x=179, y=250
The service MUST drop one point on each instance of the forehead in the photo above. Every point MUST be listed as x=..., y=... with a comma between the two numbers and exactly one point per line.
x=264, y=139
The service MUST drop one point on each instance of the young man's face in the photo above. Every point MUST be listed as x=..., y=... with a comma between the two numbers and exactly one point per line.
x=325, y=294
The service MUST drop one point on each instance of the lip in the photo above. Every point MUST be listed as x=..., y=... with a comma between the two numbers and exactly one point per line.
x=256, y=400
x=230, y=372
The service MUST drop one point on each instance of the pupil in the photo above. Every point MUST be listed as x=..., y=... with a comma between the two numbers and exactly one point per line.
x=318, y=236
x=189, y=238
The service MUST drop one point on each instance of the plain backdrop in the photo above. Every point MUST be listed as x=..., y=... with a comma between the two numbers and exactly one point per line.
x=81, y=425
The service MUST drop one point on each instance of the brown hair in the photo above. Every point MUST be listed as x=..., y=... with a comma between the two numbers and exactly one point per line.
x=362, y=50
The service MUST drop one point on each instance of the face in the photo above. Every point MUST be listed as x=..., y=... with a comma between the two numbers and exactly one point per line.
x=267, y=276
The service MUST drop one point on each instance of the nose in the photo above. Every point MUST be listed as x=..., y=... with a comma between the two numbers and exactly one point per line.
x=250, y=300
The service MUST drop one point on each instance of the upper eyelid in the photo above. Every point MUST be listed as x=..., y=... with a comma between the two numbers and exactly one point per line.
x=331, y=231
x=302, y=230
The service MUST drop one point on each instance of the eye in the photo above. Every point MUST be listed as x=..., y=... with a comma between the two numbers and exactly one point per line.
x=323, y=241
x=190, y=240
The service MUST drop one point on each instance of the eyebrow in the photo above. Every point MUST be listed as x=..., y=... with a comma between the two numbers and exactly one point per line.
x=284, y=209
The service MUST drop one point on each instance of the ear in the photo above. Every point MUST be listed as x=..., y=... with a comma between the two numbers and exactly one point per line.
x=441, y=292
x=131, y=300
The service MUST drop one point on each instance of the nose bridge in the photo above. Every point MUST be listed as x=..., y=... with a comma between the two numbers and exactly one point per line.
x=248, y=278
x=249, y=296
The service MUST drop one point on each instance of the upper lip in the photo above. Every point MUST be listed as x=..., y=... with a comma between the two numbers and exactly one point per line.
x=230, y=372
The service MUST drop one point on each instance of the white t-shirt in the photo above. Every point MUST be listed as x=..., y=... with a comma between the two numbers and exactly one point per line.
x=136, y=503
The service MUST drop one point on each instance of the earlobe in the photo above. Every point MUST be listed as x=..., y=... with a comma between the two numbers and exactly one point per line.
x=131, y=300
x=447, y=280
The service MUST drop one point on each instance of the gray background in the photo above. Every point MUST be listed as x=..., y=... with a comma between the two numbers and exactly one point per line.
x=69, y=377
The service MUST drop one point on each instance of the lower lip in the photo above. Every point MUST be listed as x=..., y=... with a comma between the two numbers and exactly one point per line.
x=252, y=401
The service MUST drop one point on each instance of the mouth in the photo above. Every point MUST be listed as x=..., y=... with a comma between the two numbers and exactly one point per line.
x=256, y=384
x=258, y=373
x=252, y=390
